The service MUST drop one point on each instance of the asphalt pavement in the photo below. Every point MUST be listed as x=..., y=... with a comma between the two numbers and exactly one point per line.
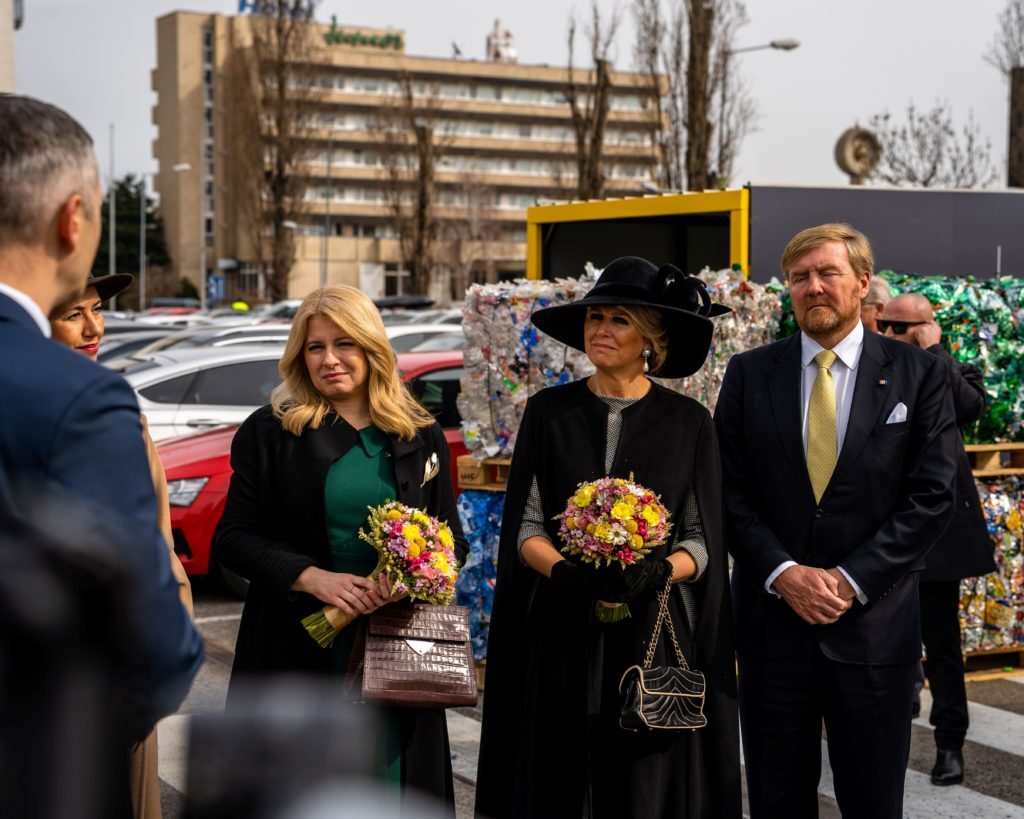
x=994, y=754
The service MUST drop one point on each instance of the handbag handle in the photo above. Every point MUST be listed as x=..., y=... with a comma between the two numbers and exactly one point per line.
x=665, y=620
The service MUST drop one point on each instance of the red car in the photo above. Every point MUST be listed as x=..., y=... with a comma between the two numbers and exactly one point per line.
x=198, y=468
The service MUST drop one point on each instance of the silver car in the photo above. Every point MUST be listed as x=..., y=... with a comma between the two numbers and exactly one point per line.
x=183, y=391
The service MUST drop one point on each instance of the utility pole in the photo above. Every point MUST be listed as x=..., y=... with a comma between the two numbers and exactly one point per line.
x=112, y=216
x=1015, y=149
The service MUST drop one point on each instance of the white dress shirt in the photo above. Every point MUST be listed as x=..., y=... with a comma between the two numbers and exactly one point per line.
x=844, y=375
x=29, y=306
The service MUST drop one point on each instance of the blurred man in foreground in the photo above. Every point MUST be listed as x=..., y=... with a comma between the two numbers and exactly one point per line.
x=68, y=427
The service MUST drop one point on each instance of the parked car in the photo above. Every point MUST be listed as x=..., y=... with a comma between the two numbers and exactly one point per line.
x=405, y=337
x=122, y=345
x=198, y=466
x=183, y=391
x=214, y=335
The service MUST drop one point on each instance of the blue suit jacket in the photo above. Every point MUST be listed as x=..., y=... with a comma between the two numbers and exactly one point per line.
x=70, y=426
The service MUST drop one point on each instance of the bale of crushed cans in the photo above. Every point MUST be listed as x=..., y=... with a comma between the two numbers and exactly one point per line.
x=992, y=607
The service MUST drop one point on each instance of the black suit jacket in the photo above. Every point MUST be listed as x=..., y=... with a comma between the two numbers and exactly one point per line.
x=965, y=548
x=274, y=527
x=889, y=500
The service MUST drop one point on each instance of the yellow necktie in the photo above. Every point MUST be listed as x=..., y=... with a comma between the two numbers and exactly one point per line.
x=822, y=449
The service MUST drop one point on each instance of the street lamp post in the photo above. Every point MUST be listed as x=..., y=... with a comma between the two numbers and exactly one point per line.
x=181, y=166
x=785, y=44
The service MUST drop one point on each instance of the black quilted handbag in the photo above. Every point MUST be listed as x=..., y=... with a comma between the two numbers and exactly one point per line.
x=665, y=697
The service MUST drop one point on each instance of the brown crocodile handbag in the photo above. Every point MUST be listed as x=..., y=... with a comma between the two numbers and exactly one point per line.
x=666, y=697
x=419, y=654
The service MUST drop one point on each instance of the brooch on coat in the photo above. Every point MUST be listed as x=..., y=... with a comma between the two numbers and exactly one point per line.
x=430, y=469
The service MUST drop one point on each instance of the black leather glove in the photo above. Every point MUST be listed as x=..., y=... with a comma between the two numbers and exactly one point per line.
x=620, y=585
x=570, y=577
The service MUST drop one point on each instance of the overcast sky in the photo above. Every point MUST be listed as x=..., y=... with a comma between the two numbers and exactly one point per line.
x=855, y=59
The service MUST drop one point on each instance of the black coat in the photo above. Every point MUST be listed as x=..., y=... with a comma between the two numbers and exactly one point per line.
x=274, y=527
x=534, y=742
x=966, y=549
x=889, y=500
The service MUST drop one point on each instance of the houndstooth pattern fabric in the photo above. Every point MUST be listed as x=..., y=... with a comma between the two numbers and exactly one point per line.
x=689, y=536
x=822, y=446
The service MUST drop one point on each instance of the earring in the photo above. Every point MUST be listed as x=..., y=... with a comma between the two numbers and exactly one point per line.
x=647, y=355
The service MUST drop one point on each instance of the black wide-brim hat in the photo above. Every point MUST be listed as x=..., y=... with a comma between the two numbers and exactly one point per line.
x=683, y=301
x=113, y=284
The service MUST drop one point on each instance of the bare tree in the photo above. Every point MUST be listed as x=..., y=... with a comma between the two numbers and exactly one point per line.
x=704, y=107
x=589, y=100
x=276, y=108
x=410, y=149
x=470, y=239
x=1008, y=45
x=927, y=150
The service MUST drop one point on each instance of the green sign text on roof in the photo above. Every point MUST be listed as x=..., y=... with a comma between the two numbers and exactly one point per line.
x=338, y=36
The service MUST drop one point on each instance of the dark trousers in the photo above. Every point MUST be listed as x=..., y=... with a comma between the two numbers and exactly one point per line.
x=940, y=631
x=866, y=711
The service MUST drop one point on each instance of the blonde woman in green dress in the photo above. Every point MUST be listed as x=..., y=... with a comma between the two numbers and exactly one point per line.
x=341, y=433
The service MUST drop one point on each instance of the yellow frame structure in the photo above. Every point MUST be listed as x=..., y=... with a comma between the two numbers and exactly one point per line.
x=734, y=202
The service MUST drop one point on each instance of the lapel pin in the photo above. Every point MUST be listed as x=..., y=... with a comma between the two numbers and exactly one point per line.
x=882, y=382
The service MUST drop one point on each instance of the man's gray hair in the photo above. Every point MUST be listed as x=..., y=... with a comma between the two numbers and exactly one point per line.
x=46, y=156
x=878, y=291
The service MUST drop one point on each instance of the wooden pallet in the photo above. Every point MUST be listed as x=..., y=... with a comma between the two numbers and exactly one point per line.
x=490, y=474
x=989, y=460
x=994, y=658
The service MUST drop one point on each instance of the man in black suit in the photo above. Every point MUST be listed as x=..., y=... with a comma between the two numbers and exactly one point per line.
x=964, y=550
x=839, y=452
x=70, y=428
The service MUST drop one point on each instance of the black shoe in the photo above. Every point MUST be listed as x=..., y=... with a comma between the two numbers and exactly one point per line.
x=949, y=768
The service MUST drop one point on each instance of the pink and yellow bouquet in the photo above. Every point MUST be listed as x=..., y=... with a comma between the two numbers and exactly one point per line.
x=612, y=520
x=416, y=552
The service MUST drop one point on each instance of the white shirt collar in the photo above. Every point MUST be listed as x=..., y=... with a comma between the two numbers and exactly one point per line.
x=848, y=350
x=29, y=306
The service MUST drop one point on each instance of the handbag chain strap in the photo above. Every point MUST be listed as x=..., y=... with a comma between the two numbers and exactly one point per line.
x=664, y=619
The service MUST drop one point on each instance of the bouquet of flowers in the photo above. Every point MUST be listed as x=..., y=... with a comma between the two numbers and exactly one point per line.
x=416, y=552
x=612, y=520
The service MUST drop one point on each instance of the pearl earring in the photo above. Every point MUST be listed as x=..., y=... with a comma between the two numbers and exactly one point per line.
x=647, y=355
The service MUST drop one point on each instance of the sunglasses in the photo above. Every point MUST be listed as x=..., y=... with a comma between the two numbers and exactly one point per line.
x=898, y=327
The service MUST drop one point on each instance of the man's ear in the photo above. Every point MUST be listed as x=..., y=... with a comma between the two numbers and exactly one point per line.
x=69, y=222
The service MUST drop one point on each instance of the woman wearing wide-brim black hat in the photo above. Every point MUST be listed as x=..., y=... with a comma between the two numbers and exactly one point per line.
x=551, y=743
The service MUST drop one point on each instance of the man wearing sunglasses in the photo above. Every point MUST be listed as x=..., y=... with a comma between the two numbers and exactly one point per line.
x=965, y=550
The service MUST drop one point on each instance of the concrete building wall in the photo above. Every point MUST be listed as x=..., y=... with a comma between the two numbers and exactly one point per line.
x=6, y=46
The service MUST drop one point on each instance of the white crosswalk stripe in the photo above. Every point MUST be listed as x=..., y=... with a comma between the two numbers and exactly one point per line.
x=991, y=727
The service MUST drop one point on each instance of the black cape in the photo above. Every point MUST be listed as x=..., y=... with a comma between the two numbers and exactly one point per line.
x=534, y=752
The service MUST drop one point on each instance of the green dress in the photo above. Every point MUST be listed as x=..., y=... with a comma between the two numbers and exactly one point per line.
x=362, y=477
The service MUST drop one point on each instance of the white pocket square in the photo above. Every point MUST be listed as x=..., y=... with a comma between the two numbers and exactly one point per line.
x=898, y=414
x=431, y=468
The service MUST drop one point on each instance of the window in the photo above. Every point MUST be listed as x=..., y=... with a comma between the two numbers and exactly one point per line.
x=524, y=131
x=438, y=392
x=171, y=391
x=404, y=343
x=245, y=384
x=208, y=37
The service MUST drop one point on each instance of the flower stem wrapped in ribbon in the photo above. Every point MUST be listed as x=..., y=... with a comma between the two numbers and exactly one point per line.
x=613, y=521
x=416, y=553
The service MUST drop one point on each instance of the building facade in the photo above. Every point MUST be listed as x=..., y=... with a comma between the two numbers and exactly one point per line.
x=502, y=133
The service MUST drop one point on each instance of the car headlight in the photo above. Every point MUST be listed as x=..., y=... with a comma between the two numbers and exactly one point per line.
x=185, y=491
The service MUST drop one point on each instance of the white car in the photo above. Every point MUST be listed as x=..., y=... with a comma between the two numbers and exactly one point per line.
x=184, y=391
x=406, y=337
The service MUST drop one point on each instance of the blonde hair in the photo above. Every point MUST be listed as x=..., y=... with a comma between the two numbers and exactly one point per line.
x=298, y=404
x=858, y=248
